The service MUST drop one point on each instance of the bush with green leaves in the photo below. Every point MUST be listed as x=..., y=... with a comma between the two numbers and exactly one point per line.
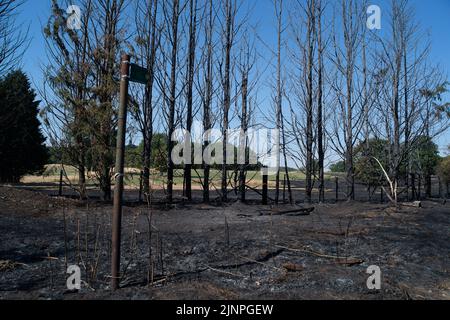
x=444, y=170
x=367, y=170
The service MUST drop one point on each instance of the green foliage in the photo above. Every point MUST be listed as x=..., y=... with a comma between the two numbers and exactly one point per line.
x=159, y=152
x=424, y=159
x=22, y=149
x=338, y=167
x=60, y=155
x=133, y=154
x=443, y=170
x=366, y=168
x=441, y=108
x=425, y=156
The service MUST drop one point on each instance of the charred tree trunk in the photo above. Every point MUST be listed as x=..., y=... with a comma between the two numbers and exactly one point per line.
x=243, y=138
x=208, y=99
x=172, y=98
x=82, y=182
x=349, y=71
x=279, y=12
x=309, y=167
x=396, y=119
x=147, y=128
x=108, y=46
x=286, y=167
x=407, y=126
x=320, y=125
x=190, y=86
x=226, y=92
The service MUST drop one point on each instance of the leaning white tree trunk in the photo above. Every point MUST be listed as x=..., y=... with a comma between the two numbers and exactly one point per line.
x=392, y=194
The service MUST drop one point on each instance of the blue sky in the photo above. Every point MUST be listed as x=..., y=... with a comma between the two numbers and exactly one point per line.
x=433, y=15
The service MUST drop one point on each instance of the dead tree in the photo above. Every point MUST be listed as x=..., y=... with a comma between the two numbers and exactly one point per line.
x=147, y=43
x=278, y=4
x=350, y=36
x=347, y=122
x=228, y=41
x=107, y=32
x=393, y=60
x=243, y=137
x=309, y=166
x=245, y=65
x=416, y=117
x=398, y=47
x=407, y=118
x=68, y=77
x=189, y=89
x=207, y=94
x=12, y=38
x=173, y=20
x=303, y=116
x=320, y=116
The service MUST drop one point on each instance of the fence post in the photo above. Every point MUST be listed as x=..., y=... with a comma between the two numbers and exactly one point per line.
x=337, y=189
x=141, y=185
x=265, y=186
x=60, y=183
x=420, y=188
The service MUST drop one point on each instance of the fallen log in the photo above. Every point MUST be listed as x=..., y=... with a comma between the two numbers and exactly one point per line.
x=292, y=212
x=415, y=204
x=206, y=208
x=350, y=261
x=223, y=268
x=298, y=211
x=224, y=272
x=258, y=192
x=244, y=216
x=292, y=267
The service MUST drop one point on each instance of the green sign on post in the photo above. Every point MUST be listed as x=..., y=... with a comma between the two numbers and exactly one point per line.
x=138, y=74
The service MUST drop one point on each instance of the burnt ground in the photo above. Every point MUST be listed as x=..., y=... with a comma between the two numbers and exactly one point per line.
x=223, y=252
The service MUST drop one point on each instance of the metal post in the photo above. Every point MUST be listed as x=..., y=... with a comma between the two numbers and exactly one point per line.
x=119, y=171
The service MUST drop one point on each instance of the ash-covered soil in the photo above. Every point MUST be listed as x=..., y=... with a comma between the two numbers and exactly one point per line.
x=223, y=252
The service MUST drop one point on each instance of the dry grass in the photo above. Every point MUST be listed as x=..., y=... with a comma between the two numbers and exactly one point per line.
x=51, y=175
x=7, y=265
